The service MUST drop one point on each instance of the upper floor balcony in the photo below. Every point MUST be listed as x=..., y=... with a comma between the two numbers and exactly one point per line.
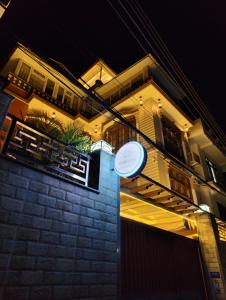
x=25, y=90
x=126, y=90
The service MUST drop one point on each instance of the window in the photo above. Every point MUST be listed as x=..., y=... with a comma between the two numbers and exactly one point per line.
x=24, y=71
x=137, y=82
x=67, y=98
x=115, y=97
x=12, y=65
x=222, y=211
x=77, y=104
x=36, y=82
x=215, y=174
x=125, y=90
x=60, y=94
x=212, y=170
x=172, y=139
x=180, y=183
x=117, y=134
x=49, y=87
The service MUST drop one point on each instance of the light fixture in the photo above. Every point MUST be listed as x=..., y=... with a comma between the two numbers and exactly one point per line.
x=159, y=103
x=96, y=129
x=204, y=207
x=186, y=127
x=141, y=101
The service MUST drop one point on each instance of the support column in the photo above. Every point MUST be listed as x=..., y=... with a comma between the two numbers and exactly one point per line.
x=210, y=253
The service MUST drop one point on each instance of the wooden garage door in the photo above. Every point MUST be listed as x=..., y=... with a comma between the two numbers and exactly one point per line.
x=157, y=265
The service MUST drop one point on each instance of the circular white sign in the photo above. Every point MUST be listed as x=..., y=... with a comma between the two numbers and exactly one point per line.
x=130, y=159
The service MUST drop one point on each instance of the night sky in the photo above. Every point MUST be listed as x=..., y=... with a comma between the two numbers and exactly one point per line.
x=77, y=33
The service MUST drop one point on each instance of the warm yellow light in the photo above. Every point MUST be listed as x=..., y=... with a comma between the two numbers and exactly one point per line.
x=96, y=129
x=161, y=208
x=159, y=103
x=186, y=127
x=141, y=101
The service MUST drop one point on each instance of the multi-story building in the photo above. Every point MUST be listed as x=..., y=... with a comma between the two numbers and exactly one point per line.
x=3, y=6
x=172, y=215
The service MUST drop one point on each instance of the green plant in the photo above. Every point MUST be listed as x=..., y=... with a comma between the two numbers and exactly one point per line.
x=41, y=120
x=70, y=134
x=76, y=137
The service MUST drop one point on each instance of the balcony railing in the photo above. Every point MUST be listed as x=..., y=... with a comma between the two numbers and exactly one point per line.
x=124, y=92
x=30, y=89
x=31, y=147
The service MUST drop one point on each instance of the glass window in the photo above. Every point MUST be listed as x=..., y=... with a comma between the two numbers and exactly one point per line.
x=39, y=74
x=125, y=90
x=117, y=134
x=67, y=98
x=60, y=94
x=137, y=82
x=172, y=139
x=115, y=97
x=180, y=183
x=36, y=82
x=49, y=87
x=222, y=211
x=212, y=170
x=24, y=71
x=13, y=64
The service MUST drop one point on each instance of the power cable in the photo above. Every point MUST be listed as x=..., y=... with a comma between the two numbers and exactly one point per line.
x=143, y=35
x=99, y=100
x=142, y=17
x=118, y=116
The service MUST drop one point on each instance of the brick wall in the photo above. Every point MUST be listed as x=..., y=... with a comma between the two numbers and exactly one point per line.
x=58, y=240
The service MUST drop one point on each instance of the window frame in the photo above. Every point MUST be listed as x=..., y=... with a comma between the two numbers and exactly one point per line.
x=120, y=139
x=168, y=131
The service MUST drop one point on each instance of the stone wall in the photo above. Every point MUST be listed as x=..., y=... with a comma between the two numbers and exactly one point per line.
x=58, y=240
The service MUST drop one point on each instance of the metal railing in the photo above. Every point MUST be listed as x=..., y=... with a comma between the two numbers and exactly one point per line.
x=29, y=89
x=34, y=148
x=132, y=87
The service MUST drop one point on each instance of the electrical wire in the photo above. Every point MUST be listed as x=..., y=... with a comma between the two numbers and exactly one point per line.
x=145, y=50
x=156, y=37
x=118, y=116
x=99, y=100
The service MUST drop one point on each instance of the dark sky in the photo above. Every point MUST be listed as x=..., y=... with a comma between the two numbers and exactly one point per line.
x=79, y=32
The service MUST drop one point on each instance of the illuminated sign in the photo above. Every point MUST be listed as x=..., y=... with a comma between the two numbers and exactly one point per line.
x=130, y=159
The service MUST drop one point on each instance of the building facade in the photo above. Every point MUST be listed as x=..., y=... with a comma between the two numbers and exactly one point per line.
x=172, y=215
x=3, y=6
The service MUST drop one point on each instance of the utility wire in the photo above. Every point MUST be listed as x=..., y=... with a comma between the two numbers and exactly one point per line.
x=144, y=49
x=117, y=115
x=156, y=37
x=99, y=100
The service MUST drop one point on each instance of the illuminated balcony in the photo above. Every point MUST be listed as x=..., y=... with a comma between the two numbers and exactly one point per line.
x=25, y=90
